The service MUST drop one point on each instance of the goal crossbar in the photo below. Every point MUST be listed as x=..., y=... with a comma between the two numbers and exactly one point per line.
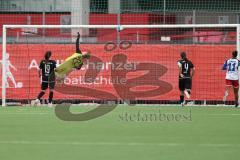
x=126, y=26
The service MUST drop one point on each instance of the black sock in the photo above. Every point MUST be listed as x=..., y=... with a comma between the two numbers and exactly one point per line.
x=236, y=101
x=181, y=98
x=50, y=97
x=40, y=95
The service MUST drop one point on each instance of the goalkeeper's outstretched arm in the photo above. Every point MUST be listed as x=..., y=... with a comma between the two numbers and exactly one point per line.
x=77, y=44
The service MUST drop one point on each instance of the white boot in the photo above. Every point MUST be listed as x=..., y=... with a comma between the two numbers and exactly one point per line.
x=50, y=105
x=35, y=102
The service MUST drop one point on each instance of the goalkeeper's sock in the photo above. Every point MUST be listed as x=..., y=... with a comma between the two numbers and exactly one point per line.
x=181, y=99
x=40, y=95
x=50, y=97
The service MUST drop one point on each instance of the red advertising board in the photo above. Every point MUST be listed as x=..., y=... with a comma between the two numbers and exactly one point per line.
x=156, y=64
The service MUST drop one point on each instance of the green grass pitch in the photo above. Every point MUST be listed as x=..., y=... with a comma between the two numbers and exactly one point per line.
x=126, y=133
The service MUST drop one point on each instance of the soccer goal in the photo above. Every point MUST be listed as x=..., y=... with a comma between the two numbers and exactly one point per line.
x=136, y=63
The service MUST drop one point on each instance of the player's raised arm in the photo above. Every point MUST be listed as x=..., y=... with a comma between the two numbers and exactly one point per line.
x=77, y=44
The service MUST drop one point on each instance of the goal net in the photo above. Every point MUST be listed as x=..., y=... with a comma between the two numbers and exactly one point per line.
x=137, y=63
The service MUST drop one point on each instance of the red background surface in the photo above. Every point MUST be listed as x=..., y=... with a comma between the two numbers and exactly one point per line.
x=208, y=83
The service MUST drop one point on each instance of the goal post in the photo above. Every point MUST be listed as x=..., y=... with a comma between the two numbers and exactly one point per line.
x=166, y=34
x=238, y=39
x=4, y=51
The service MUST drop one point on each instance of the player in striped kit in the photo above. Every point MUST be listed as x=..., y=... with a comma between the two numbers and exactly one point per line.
x=232, y=76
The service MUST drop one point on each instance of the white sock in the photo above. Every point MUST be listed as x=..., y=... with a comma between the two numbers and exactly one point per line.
x=187, y=94
x=225, y=95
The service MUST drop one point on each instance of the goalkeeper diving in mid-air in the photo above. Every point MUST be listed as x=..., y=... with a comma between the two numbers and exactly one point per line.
x=49, y=73
x=73, y=62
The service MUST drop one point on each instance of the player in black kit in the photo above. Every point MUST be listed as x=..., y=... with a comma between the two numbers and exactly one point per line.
x=46, y=71
x=186, y=72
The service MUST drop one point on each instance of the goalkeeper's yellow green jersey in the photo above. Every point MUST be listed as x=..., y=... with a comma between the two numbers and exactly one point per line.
x=66, y=67
x=75, y=55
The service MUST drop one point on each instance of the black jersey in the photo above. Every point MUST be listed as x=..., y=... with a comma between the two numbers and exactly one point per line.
x=47, y=68
x=186, y=66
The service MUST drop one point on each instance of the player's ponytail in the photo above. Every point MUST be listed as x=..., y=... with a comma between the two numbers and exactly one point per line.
x=48, y=55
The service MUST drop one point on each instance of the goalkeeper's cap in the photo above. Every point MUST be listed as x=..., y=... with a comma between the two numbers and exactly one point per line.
x=48, y=55
x=183, y=55
x=87, y=55
x=234, y=54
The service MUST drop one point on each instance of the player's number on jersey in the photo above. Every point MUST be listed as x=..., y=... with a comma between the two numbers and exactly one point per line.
x=231, y=66
x=185, y=68
x=47, y=68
